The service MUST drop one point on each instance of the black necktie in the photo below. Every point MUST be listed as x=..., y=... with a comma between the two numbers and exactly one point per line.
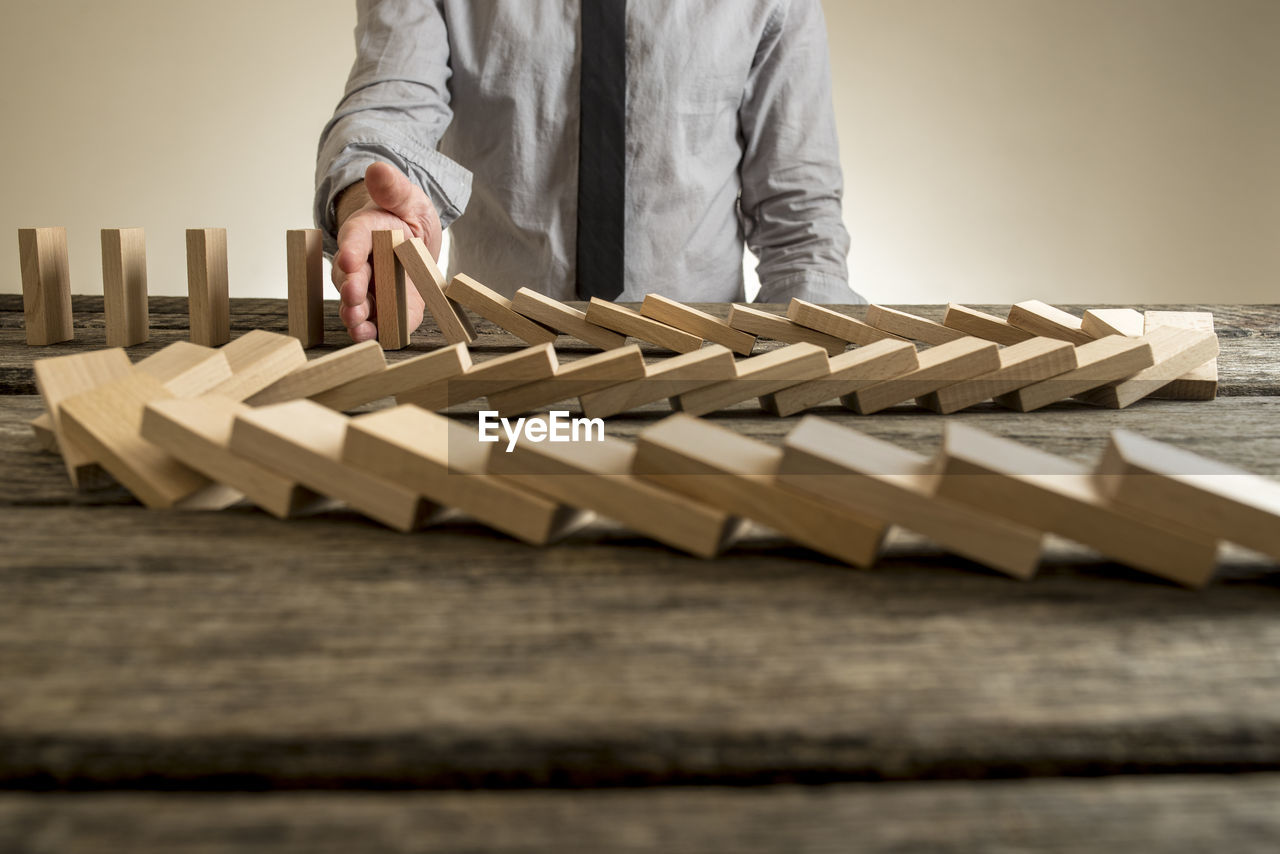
x=602, y=150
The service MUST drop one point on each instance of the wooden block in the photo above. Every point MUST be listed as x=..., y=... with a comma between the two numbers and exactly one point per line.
x=835, y=324
x=187, y=369
x=403, y=376
x=1174, y=351
x=197, y=432
x=910, y=326
x=979, y=324
x=389, y=294
x=427, y=278
x=1101, y=322
x=208, y=295
x=1021, y=364
x=939, y=366
x=42, y=429
x=305, y=251
x=328, y=372
x=303, y=441
x=1097, y=363
x=1040, y=319
x=64, y=377
x=259, y=359
x=565, y=319
x=444, y=461
x=583, y=376
x=124, y=286
x=496, y=308
x=627, y=322
x=661, y=381
x=489, y=377
x=849, y=372
x=735, y=473
x=46, y=285
x=1030, y=487
x=597, y=476
x=695, y=322
x=757, y=376
x=896, y=486
x=1191, y=491
x=762, y=324
x=1200, y=383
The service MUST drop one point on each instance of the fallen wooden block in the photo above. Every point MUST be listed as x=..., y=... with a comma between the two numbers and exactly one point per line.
x=624, y=321
x=197, y=432
x=910, y=326
x=979, y=324
x=695, y=322
x=444, y=461
x=46, y=285
x=666, y=379
x=42, y=429
x=258, y=359
x=64, y=377
x=762, y=324
x=939, y=366
x=837, y=325
x=305, y=253
x=389, y=291
x=896, y=486
x=739, y=475
x=1174, y=351
x=1030, y=487
x=208, y=296
x=1039, y=318
x=1101, y=322
x=485, y=378
x=187, y=369
x=434, y=367
x=757, y=376
x=564, y=318
x=1097, y=363
x=596, y=475
x=327, y=372
x=496, y=308
x=303, y=441
x=583, y=376
x=1192, y=492
x=427, y=278
x=124, y=286
x=848, y=372
x=1200, y=383
x=1021, y=364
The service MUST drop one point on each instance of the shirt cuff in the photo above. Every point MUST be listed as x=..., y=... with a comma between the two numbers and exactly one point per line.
x=811, y=286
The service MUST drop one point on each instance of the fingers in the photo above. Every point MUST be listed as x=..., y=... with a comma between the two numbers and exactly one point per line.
x=355, y=243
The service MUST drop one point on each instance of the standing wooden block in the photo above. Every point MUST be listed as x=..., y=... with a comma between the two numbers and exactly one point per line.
x=593, y=373
x=1200, y=383
x=65, y=377
x=695, y=322
x=46, y=285
x=1101, y=322
x=727, y=470
x=1097, y=363
x=1174, y=351
x=427, y=278
x=849, y=372
x=187, y=369
x=1192, y=492
x=910, y=326
x=444, y=461
x=837, y=325
x=1021, y=364
x=389, y=295
x=1040, y=319
x=564, y=318
x=896, y=486
x=666, y=379
x=1030, y=487
x=490, y=377
x=305, y=251
x=762, y=324
x=258, y=359
x=208, y=296
x=979, y=324
x=435, y=367
x=303, y=441
x=596, y=475
x=758, y=376
x=624, y=321
x=496, y=309
x=124, y=286
x=939, y=366
x=328, y=372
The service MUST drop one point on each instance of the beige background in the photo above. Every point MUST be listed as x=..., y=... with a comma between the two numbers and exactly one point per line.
x=1120, y=151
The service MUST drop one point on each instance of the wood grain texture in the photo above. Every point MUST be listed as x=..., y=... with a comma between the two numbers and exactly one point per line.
x=304, y=253
x=911, y=326
x=124, y=286
x=662, y=380
x=1098, y=363
x=1101, y=322
x=1039, y=318
x=482, y=379
x=763, y=324
x=698, y=322
x=582, y=376
x=758, y=376
x=1033, y=360
x=1200, y=383
x=208, y=292
x=63, y=377
x=979, y=324
x=259, y=359
x=848, y=372
x=414, y=373
x=831, y=322
x=939, y=366
x=427, y=278
x=330, y=371
x=391, y=300
x=1175, y=351
x=631, y=323
x=496, y=308
x=564, y=318
x=46, y=286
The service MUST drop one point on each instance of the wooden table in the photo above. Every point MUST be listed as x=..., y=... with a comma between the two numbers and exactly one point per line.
x=454, y=690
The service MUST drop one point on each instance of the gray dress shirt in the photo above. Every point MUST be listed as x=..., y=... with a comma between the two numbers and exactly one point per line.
x=730, y=138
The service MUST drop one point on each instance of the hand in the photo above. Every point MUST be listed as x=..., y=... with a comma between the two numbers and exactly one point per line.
x=385, y=200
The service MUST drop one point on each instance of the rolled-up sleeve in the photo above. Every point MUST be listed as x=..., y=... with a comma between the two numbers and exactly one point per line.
x=395, y=109
x=791, y=179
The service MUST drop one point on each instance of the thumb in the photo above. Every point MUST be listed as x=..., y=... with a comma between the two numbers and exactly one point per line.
x=391, y=190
